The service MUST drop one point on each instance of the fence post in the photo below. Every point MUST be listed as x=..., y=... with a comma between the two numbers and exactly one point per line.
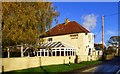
x=8, y=50
x=21, y=50
x=2, y=68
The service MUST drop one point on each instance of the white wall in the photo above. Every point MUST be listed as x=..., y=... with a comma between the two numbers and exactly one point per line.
x=82, y=43
x=100, y=52
x=11, y=64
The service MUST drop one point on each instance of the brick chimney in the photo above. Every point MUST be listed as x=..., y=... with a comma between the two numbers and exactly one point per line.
x=67, y=20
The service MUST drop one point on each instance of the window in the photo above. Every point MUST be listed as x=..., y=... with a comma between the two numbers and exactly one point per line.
x=62, y=53
x=49, y=39
x=68, y=53
x=98, y=53
x=71, y=53
x=90, y=38
x=85, y=33
x=89, y=52
x=45, y=53
x=39, y=53
x=50, y=53
x=54, y=53
x=58, y=53
x=42, y=54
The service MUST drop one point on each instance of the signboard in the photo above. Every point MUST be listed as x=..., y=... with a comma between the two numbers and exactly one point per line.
x=74, y=36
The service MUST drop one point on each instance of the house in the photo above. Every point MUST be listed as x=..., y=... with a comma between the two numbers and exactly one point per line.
x=98, y=49
x=113, y=43
x=74, y=35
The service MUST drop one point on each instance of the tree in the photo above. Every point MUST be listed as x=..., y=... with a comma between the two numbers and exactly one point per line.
x=23, y=22
x=113, y=44
x=113, y=41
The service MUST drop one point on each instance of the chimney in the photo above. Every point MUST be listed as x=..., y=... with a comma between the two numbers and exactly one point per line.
x=67, y=20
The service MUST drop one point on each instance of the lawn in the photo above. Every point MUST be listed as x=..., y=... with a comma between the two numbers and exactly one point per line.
x=55, y=68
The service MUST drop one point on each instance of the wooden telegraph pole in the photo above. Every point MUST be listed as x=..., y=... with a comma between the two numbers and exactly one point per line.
x=103, y=38
x=103, y=32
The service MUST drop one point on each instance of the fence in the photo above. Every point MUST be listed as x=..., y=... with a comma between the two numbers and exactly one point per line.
x=10, y=64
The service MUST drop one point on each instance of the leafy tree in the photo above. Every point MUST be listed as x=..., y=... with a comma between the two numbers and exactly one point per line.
x=23, y=22
x=111, y=50
x=113, y=44
x=113, y=41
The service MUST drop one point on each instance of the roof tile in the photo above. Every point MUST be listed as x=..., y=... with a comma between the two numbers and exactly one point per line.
x=68, y=28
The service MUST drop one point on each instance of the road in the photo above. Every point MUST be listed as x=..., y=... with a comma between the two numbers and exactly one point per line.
x=90, y=69
x=108, y=67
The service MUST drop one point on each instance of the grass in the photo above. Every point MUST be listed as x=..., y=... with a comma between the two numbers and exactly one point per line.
x=55, y=68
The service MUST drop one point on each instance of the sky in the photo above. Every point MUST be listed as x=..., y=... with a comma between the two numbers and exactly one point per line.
x=89, y=15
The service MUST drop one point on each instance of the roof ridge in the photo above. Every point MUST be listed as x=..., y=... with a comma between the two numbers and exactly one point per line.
x=69, y=28
x=81, y=26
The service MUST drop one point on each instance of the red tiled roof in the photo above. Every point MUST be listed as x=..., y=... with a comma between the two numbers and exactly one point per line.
x=117, y=37
x=69, y=28
x=99, y=45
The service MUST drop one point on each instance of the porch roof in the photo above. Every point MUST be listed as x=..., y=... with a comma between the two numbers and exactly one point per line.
x=56, y=45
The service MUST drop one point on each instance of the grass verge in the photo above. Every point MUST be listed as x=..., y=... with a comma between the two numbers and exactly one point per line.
x=55, y=68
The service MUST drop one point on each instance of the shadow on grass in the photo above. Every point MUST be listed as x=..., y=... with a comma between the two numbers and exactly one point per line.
x=45, y=71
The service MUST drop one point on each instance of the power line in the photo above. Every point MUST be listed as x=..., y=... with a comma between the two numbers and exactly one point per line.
x=98, y=32
x=111, y=14
x=106, y=16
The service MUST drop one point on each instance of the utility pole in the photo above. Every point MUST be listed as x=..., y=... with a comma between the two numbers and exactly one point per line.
x=103, y=32
x=103, y=56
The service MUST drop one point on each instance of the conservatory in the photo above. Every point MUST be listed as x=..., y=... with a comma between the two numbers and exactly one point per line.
x=55, y=49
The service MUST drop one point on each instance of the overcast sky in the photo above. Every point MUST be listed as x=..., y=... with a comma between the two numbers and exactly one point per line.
x=89, y=15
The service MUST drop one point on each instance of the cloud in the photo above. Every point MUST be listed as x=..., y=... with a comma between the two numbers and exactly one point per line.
x=90, y=21
x=112, y=32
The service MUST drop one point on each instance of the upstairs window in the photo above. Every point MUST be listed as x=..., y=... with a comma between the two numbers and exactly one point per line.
x=98, y=53
x=86, y=33
x=90, y=38
x=49, y=39
x=89, y=52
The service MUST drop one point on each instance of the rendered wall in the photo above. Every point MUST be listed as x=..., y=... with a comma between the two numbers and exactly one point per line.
x=10, y=64
x=89, y=58
x=82, y=43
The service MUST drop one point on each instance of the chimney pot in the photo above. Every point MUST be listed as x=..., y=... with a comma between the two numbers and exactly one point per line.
x=67, y=20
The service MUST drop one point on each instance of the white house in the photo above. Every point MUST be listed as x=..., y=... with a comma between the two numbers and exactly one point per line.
x=98, y=50
x=74, y=35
